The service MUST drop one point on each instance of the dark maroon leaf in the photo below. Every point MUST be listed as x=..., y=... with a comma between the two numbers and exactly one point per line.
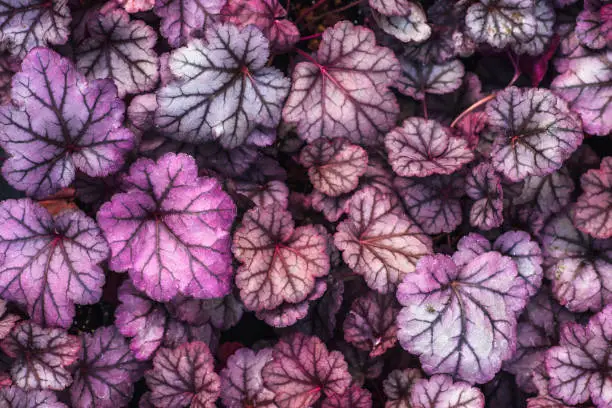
x=419, y=79
x=397, y=387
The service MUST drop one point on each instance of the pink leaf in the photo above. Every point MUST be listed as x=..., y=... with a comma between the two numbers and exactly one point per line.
x=593, y=211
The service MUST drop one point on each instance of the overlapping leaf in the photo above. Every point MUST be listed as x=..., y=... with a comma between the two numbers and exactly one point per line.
x=41, y=356
x=392, y=7
x=242, y=382
x=354, y=397
x=59, y=124
x=343, y=90
x=409, y=26
x=378, y=241
x=398, y=385
x=180, y=19
x=593, y=29
x=50, y=263
x=222, y=313
x=170, y=230
x=134, y=6
x=25, y=24
x=461, y=321
x=8, y=66
x=302, y=369
x=223, y=90
x=272, y=193
x=484, y=186
x=544, y=15
x=440, y=392
x=119, y=49
x=334, y=166
x=184, y=377
x=105, y=371
x=7, y=321
x=422, y=147
x=593, y=211
x=534, y=132
x=15, y=397
x=280, y=262
x=526, y=254
x=418, y=79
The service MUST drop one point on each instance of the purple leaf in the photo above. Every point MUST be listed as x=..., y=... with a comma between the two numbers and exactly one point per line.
x=8, y=66
x=242, y=383
x=434, y=202
x=232, y=162
x=410, y=26
x=544, y=15
x=570, y=51
x=184, y=377
x=15, y=397
x=26, y=24
x=586, y=88
x=469, y=247
x=302, y=369
x=398, y=386
x=222, y=313
x=592, y=29
x=461, y=321
x=370, y=324
x=545, y=402
x=354, y=397
x=50, y=263
x=579, y=266
x=241, y=93
x=343, y=90
x=272, y=193
x=134, y=6
x=419, y=79
x=484, y=186
x=422, y=147
x=581, y=366
x=105, y=372
x=152, y=325
x=59, y=123
x=181, y=18
x=441, y=392
x=593, y=211
x=119, y=49
x=41, y=356
x=534, y=132
x=334, y=166
x=141, y=112
x=7, y=321
x=171, y=229
x=392, y=7
x=332, y=207
x=280, y=262
x=380, y=242
x=526, y=254
x=501, y=22
x=267, y=15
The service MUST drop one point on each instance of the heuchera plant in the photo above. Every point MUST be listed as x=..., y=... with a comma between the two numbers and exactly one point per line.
x=306, y=204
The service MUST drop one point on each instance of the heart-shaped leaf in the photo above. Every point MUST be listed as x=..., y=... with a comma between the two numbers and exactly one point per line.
x=184, y=377
x=441, y=392
x=180, y=19
x=484, y=186
x=461, y=321
x=59, y=123
x=241, y=380
x=302, y=369
x=50, y=263
x=593, y=211
x=418, y=79
x=41, y=356
x=119, y=49
x=343, y=90
x=280, y=262
x=241, y=93
x=170, y=230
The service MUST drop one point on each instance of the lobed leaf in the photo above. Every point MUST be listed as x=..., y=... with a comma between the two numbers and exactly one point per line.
x=484, y=186
x=180, y=19
x=354, y=397
x=242, y=383
x=593, y=211
x=441, y=392
x=418, y=79
x=409, y=26
x=15, y=397
x=398, y=386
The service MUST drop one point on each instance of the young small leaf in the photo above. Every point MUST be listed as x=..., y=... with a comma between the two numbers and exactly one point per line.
x=242, y=382
x=484, y=186
x=180, y=19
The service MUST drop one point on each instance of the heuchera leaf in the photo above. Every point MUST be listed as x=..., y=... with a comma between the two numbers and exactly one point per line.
x=418, y=79
x=434, y=202
x=484, y=186
x=545, y=402
x=119, y=49
x=222, y=313
x=268, y=16
x=441, y=392
x=134, y=6
x=461, y=321
x=581, y=366
x=170, y=231
x=579, y=266
x=534, y=132
x=152, y=325
x=272, y=193
x=184, y=377
x=592, y=28
x=302, y=369
x=41, y=356
x=223, y=90
x=50, y=263
x=501, y=22
x=398, y=385
x=354, y=397
x=544, y=15
x=343, y=90
x=378, y=241
x=25, y=24
x=58, y=124
x=334, y=166
x=280, y=262
x=15, y=397
x=408, y=27
x=526, y=254
x=105, y=371
x=180, y=19
x=422, y=147
x=593, y=211
x=241, y=380
x=392, y=7
x=7, y=321
x=586, y=88
x=370, y=324
x=8, y=66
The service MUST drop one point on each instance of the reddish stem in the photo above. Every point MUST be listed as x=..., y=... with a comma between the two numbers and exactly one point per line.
x=425, y=112
x=311, y=37
x=309, y=10
x=308, y=57
x=474, y=106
